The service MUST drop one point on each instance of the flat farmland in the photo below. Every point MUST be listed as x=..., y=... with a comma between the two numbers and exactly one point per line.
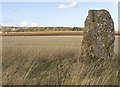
x=48, y=33
x=44, y=33
x=53, y=60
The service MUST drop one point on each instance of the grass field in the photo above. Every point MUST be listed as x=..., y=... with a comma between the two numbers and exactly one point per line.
x=45, y=33
x=49, y=33
x=53, y=60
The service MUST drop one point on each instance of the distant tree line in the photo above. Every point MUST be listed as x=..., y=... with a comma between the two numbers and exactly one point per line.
x=36, y=29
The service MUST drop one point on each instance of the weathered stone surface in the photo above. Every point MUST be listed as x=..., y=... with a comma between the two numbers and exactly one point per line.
x=98, y=38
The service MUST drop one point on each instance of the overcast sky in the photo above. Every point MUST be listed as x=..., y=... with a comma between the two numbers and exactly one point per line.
x=52, y=13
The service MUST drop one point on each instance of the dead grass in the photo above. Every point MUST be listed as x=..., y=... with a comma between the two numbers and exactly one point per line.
x=53, y=60
x=44, y=33
x=49, y=33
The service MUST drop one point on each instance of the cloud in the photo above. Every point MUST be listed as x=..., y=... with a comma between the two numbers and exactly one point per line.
x=8, y=25
x=62, y=6
x=34, y=24
x=73, y=4
x=26, y=24
x=116, y=2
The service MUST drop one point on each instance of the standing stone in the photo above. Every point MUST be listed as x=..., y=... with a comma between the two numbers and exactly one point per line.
x=98, y=38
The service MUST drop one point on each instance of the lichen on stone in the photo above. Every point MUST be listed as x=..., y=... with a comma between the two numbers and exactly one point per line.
x=98, y=38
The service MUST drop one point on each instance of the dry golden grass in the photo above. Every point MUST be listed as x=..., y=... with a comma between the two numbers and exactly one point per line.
x=49, y=33
x=53, y=60
x=44, y=33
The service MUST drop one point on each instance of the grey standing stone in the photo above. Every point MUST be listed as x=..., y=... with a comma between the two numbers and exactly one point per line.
x=98, y=38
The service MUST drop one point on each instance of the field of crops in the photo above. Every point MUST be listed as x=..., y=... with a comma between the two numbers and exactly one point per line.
x=53, y=60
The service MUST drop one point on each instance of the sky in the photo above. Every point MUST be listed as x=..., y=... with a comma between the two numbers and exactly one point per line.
x=54, y=14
